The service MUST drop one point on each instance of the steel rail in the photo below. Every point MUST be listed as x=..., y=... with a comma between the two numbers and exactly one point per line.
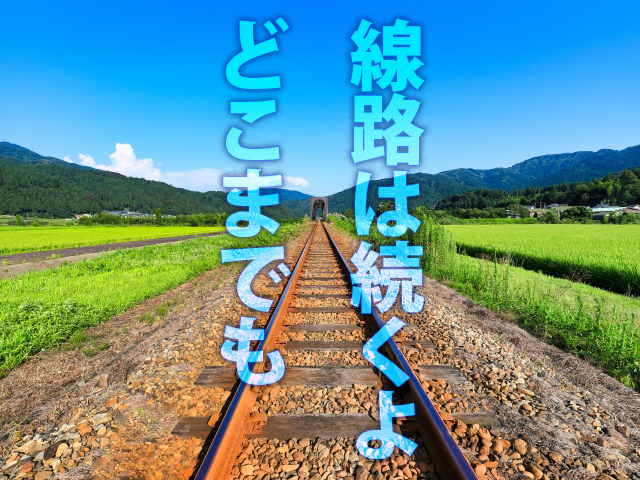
x=449, y=460
x=219, y=459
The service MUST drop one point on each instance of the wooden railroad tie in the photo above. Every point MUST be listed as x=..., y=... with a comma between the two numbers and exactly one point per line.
x=321, y=309
x=329, y=425
x=323, y=376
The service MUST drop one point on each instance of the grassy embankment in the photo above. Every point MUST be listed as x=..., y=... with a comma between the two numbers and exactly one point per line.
x=594, y=324
x=43, y=309
x=33, y=239
x=605, y=256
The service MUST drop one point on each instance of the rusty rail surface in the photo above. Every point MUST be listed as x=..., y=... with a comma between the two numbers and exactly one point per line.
x=449, y=460
x=219, y=459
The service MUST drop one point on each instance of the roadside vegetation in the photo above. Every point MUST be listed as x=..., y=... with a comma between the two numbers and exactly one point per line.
x=594, y=324
x=46, y=308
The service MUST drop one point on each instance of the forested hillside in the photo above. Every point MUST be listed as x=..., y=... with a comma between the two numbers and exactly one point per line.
x=432, y=189
x=59, y=191
x=32, y=183
x=46, y=186
x=597, y=165
x=12, y=153
x=550, y=169
x=621, y=189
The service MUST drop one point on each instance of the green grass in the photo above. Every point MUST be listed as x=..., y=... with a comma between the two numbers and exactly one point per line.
x=79, y=341
x=46, y=308
x=147, y=317
x=605, y=256
x=32, y=239
x=594, y=324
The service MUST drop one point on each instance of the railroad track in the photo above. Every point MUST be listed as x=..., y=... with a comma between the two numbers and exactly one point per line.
x=306, y=425
x=516, y=407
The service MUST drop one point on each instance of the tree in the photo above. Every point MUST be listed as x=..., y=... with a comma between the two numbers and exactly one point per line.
x=420, y=211
x=18, y=221
x=549, y=217
x=158, y=216
x=349, y=213
x=577, y=213
x=517, y=209
x=385, y=207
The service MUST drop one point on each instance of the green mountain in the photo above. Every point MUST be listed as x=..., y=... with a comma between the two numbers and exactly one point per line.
x=550, y=169
x=285, y=195
x=12, y=153
x=622, y=188
x=539, y=172
x=32, y=183
x=593, y=166
x=432, y=189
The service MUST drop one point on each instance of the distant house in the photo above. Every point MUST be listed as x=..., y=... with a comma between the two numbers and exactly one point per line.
x=600, y=213
x=84, y=215
x=606, y=210
x=557, y=209
x=536, y=212
x=630, y=210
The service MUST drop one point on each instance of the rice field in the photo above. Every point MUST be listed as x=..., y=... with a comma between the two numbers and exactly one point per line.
x=43, y=309
x=605, y=256
x=33, y=239
x=592, y=323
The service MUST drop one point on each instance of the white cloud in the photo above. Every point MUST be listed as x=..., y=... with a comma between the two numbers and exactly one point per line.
x=67, y=159
x=87, y=160
x=124, y=161
x=297, y=181
x=202, y=179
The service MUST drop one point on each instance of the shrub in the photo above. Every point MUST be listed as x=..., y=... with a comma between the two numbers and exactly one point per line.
x=548, y=217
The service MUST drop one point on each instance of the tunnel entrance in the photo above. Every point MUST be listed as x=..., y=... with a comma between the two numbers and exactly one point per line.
x=322, y=204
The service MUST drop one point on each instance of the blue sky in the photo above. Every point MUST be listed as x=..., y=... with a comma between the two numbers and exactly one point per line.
x=139, y=86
